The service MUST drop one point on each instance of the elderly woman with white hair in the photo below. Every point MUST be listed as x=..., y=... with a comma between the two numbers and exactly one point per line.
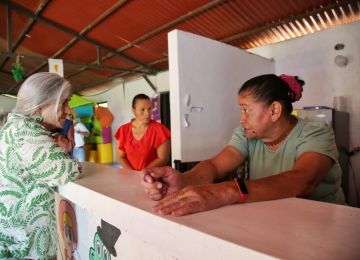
x=32, y=165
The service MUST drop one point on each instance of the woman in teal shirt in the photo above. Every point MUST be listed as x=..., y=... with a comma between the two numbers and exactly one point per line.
x=32, y=165
x=287, y=157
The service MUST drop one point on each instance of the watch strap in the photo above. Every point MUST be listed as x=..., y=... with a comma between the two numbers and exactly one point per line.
x=241, y=186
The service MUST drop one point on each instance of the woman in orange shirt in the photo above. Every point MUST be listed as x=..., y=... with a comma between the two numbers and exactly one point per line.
x=143, y=142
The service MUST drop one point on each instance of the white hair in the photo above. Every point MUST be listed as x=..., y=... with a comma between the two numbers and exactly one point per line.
x=39, y=90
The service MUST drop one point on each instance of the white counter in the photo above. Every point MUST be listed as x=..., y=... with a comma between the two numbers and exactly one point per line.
x=288, y=228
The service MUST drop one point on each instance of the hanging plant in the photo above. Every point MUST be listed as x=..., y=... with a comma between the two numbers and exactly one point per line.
x=18, y=70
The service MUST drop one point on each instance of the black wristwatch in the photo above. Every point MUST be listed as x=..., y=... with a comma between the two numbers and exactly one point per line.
x=242, y=189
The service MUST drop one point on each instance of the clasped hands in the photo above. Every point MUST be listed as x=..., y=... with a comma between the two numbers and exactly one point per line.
x=175, y=197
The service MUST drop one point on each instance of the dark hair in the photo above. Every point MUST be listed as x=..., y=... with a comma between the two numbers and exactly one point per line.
x=269, y=88
x=137, y=97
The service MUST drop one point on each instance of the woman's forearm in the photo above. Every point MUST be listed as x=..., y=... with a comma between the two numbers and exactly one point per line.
x=215, y=168
x=157, y=163
x=203, y=173
x=65, y=143
x=125, y=163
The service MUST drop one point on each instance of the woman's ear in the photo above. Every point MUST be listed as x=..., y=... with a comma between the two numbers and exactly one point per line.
x=276, y=110
x=37, y=112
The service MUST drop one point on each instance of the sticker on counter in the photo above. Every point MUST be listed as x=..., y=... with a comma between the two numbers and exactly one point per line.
x=104, y=242
x=68, y=229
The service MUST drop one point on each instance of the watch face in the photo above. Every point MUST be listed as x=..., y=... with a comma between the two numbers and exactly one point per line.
x=242, y=186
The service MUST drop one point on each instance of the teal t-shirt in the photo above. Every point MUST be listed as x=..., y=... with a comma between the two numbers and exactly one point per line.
x=304, y=137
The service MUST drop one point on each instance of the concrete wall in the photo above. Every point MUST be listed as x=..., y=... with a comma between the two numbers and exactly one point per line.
x=6, y=104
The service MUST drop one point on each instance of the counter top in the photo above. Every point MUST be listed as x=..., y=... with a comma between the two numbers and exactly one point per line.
x=287, y=228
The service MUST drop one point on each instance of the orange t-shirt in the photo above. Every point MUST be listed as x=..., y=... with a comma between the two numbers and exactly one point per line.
x=141, y=152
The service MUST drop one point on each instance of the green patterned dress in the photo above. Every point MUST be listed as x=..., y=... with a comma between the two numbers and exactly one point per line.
x=32, y=165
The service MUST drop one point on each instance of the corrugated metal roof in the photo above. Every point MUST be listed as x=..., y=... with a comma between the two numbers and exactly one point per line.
x=132, y=35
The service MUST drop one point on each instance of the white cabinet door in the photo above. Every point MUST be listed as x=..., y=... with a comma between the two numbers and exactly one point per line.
x=205, y=76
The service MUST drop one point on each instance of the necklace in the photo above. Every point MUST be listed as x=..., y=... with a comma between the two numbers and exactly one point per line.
x=282, y=136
